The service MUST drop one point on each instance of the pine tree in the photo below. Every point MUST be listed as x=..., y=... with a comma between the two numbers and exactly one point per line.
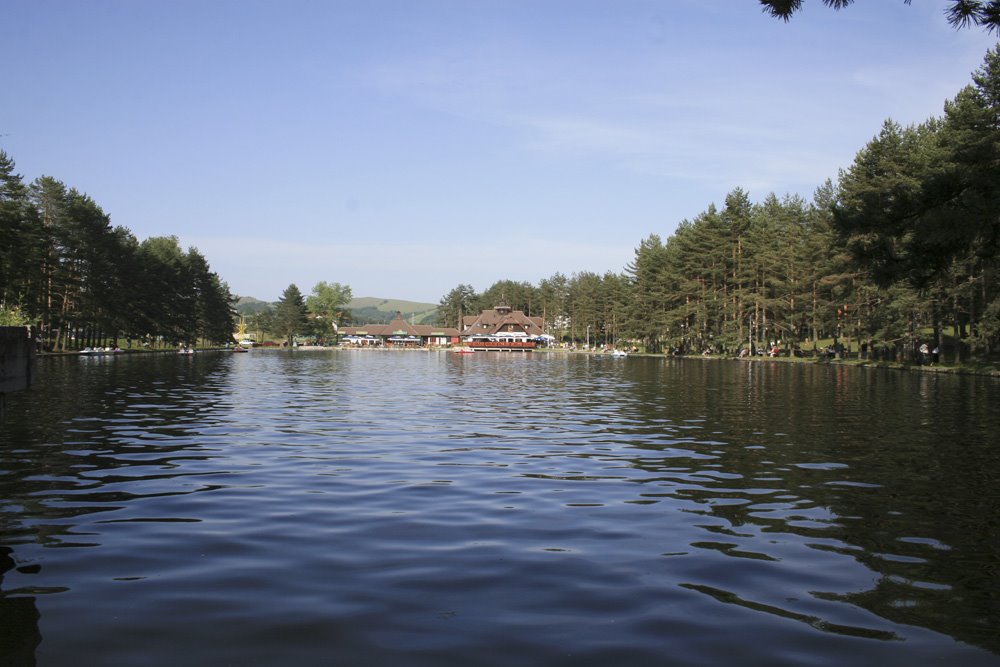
x=290, y=314
x=17, y=240
x=959, y=13
x=455, y=305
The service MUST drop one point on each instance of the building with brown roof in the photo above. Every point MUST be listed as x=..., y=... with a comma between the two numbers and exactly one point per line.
x=501, y=321
x=399, y=333
x=512, y=328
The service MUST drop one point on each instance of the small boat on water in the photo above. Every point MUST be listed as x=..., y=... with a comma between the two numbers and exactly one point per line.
x=91, y=351
x=464, y=350
x=614, y=354
x=186, y=350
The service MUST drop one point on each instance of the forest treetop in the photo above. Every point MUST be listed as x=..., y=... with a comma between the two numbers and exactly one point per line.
x=960, y=13
x=906, y=247
x=66, y=270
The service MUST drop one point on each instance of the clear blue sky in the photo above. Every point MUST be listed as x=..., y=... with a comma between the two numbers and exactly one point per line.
x=406, y=146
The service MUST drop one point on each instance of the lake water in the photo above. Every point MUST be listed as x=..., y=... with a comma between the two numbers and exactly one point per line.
x=422, y=508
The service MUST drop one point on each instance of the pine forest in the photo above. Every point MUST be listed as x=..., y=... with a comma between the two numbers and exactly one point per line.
x=899, y=251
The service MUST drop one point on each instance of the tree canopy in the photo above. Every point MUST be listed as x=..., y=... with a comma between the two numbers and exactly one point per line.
x=291, y=314
x=907, y=242
x=959, y=13
x=80, y=281
x=327, y=304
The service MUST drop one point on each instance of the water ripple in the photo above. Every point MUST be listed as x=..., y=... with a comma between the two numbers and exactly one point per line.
x=423, y=508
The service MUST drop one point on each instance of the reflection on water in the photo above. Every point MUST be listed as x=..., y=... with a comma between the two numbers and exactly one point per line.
x=19, y=629
x=424, y=508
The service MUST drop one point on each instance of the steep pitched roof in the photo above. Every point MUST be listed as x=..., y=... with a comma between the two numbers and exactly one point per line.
x=500, y=319
x=400, y=327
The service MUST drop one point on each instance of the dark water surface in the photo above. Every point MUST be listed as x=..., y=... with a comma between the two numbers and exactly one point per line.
x=379, y=508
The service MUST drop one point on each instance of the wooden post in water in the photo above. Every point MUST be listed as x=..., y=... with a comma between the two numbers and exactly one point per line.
x=16, y=357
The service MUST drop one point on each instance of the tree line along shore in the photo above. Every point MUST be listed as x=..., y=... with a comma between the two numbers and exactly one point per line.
x=900, y=252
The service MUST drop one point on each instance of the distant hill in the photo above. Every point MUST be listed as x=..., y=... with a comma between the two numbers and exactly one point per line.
x=370, y=309
x=247, y=305
x=364, y=310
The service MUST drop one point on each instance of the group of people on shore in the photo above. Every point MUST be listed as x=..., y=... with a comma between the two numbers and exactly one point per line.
x=772, y=349
x=928, y=356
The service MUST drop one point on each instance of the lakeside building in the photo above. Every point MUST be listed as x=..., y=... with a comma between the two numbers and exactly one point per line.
x=500, y=321
x=399, y=333
x=500, y=328
x=503, y=329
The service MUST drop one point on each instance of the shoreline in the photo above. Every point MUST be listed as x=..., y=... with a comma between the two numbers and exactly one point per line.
x=985, y=371
x=988, y=371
